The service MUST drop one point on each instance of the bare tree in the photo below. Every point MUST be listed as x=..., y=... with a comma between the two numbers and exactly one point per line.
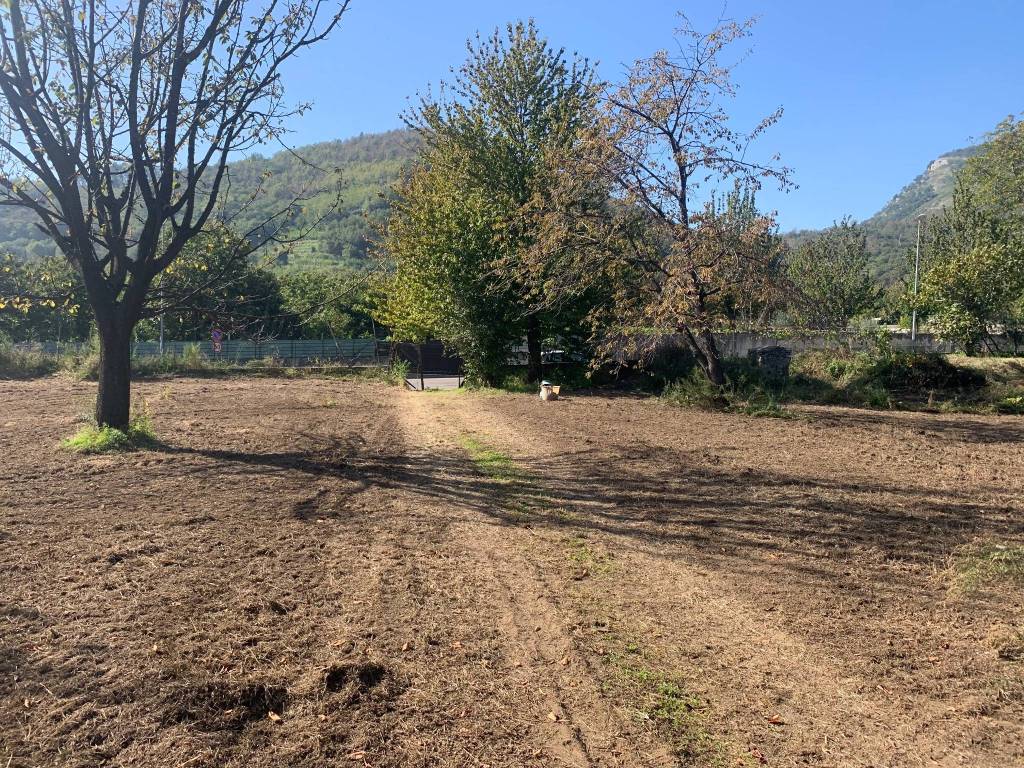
x=636, y=204
x=673, y=135
x=117, y=123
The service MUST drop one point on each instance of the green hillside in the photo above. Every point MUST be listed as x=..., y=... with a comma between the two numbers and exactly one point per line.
x=20, y=235
x=892, y=232
x=368, y=164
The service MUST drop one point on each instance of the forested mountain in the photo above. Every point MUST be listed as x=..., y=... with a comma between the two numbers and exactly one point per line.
x=368, y=165
x=20, y=236
x=892, y=232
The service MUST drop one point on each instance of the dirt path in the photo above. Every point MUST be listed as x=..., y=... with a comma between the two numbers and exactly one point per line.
x=333, y=573
x=788, y=577
x=290, y=579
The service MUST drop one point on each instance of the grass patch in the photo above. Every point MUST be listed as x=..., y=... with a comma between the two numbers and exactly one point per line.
x=84, y=363
x=662, y=701
x=516, y=492
x=763, y=407
x=93, y=439
x=449, y=392
x=491, y=462
x=988, y=565
x=22, y=364
x=586, y=560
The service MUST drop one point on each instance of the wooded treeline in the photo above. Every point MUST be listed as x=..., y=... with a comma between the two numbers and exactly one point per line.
x=601, y=216
x=535, y=203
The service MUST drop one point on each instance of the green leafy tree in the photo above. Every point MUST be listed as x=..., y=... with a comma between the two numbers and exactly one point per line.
x=757, y=293
x=42, y=301
x=439, y=247
x=995, y=177
x=327, y=304
x=831, y=279
x=973, y=286
x=513, y=104
x=214, y=283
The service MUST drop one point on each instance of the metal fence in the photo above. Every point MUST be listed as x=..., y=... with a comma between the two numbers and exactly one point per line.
x=293, y=352
x=431, y=357
x=355, y=352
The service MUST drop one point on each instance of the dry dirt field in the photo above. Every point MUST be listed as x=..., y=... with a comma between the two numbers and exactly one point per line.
x=338, y=573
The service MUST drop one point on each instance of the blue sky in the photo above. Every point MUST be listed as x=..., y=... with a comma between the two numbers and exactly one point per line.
x=872, y=90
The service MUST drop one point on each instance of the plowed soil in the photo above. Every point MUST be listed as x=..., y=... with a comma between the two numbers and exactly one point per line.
x=333, y=573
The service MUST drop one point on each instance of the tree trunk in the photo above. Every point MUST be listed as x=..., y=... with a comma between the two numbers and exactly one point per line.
x=713, y=359
x=535, y=364
x=705, y=352
x=113, y=397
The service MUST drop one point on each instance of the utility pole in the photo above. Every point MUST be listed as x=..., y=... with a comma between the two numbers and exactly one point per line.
x=161, y=334
x=917, y=273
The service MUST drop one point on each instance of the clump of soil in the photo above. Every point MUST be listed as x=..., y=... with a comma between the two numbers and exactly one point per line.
x=361, y=677
x=217, y=706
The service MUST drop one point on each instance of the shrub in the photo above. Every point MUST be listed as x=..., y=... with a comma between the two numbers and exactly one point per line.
x=874, y=378
x=922, y=372
x=192, y=357
x=94, y=439
x=26, y=364
x=762, y=405
x=747, y=392
x=872, y=395
x=695, y=390
x=398, y=371
x=1011, y=404
x=83, y=363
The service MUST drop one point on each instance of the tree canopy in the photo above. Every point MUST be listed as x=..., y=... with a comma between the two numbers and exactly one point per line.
x=629, y=209
x=831, y=279
x=972, y=290
x=464, y=216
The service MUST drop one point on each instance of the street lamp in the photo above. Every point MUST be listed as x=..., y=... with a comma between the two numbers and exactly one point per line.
x=917, y=273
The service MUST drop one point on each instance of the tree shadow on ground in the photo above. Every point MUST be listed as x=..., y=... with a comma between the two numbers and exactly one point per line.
x=661, y=499
x=959, y=428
